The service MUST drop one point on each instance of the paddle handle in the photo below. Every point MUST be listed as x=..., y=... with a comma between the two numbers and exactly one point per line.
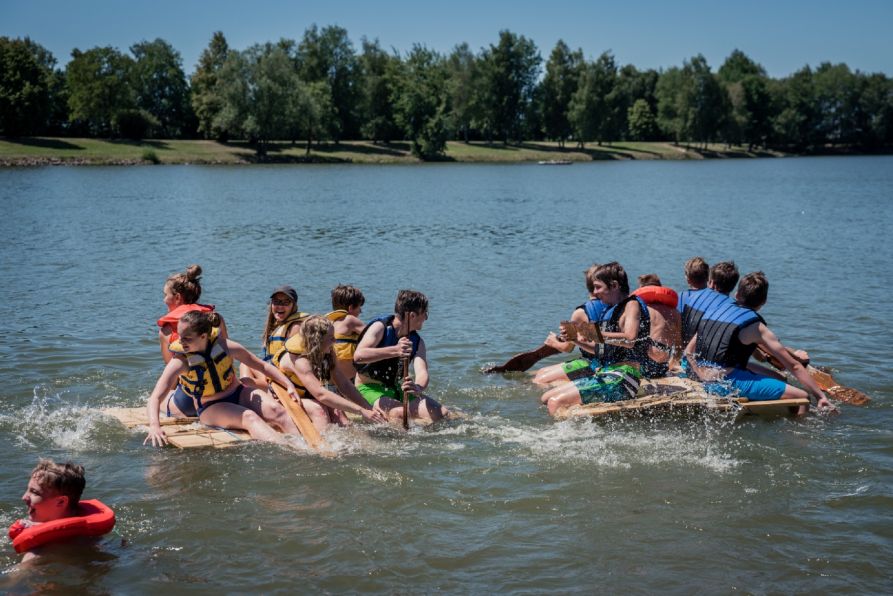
x=405, y=366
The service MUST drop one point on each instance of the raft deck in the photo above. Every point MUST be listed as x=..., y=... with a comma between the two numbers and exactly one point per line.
x=676, y=395
x=185, y=433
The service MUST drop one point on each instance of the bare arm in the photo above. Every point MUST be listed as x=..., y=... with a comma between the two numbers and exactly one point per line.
x=420, y=367
x=367, y=352
x=578, y=316
x=162, y=386
x=254, y=363
x=301, y=367
x=629, y=327
x=164, y=340
x=762, y=335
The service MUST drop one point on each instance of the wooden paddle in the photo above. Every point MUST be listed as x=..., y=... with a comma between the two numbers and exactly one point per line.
x=823, y=379
x=301, y=419
x=524, y=360
x=404, y=364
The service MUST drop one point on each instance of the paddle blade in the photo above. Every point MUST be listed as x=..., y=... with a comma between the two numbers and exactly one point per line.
x=523, y=361
x=300, y=418
x=848, y=395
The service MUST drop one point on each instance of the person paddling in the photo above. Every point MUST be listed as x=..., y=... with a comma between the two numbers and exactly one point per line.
x=588, y=312
x=202, y=362
x=625, y=327
x=308, y=359
x=728, y=332
x=384, y=342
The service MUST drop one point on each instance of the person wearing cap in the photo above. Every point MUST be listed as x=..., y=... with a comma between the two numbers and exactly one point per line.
x=283, y=321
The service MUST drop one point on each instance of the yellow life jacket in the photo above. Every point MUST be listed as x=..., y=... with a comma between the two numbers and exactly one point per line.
x=209, y=372
x=294, y=345
x=279, y=334
x=345, y=343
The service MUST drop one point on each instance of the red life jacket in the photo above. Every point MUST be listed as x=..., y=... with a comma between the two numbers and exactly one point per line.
x=173, y=317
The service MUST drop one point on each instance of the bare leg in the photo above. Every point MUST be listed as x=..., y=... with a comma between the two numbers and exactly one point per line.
x=263, y=404
x=550, y=374
x=230, y=415
x=562, y=397
x=317, y=413
x=791, y=392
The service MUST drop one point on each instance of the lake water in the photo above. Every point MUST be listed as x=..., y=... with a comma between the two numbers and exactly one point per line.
x=505, y=500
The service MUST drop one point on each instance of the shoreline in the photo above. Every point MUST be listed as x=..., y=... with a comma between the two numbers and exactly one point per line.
x=44, y=151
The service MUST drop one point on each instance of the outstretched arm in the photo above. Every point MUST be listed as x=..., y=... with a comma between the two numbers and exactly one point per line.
x=156, y=434
x=254, y=363
x=762, y=335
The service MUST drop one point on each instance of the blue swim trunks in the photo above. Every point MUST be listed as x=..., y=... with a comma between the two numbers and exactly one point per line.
x=614, y=382
x=183, y=402
x=747, y=384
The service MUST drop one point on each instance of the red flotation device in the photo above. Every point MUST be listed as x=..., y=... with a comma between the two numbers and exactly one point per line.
x=173, y=317
x=658, y=295
x=95, y=519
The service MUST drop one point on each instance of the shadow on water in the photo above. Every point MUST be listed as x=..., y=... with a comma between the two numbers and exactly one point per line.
x=44, y=143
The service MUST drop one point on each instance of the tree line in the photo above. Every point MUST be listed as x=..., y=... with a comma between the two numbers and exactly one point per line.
x=322, y=89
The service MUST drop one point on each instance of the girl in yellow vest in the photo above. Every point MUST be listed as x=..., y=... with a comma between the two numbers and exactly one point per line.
x=202, y=363
x=283, y=321
x=308, y=359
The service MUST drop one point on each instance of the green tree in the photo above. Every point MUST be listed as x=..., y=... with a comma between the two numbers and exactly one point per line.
x=160, y=85
x=642, y=121
x=670, y=109
x=704, y=102
x=99, y=88
x=378, y=79
x=510, y=72
x=559, y=85
x=207, y=100
x=26, y=85
x=877, y=108
x=796, y=121
x=420, y=104
x=837, y=94
x=463, y=83
x=747, y=87
x=594, y=107
x=328, y=55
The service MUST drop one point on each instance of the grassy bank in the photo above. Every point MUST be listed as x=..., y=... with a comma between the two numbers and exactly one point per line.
x=73, y=151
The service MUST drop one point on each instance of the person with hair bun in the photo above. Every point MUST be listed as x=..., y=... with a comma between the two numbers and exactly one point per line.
x=202, y=363
x=308, y=359
x=181, y=294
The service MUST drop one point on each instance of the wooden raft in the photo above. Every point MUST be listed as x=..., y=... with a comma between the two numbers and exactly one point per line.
x=185, y=433
x=675, y=395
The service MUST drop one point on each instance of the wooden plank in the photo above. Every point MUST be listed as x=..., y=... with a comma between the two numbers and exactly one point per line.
x=672, y=393
x=133, y=417
x=208, y=437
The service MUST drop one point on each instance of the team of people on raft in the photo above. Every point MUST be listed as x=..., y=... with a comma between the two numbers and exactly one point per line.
x=332, y=364
x=335, y=363
x=703, y=333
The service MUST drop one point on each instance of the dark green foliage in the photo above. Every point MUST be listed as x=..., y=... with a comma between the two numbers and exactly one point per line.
x=99, y=88
x=207, y=100
x=26, y=87
x=318, y=89
x=160, y=86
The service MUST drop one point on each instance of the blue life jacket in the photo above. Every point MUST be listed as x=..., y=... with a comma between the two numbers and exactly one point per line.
x=611, y=322
x=594, y=310
x=385, y=371
x=692, y=304
x=720, y=321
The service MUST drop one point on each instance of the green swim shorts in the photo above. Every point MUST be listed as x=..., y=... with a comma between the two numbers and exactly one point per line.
x=609, y=383
x=372, y=392
x=581, y=367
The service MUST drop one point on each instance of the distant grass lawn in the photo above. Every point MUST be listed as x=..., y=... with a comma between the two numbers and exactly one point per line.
x=43, y=150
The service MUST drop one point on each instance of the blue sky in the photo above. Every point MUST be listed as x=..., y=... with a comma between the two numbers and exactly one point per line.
x=782, y=35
